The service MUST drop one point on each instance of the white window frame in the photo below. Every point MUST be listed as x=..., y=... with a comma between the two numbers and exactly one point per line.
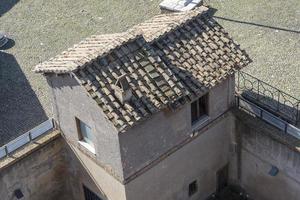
x=84, y=139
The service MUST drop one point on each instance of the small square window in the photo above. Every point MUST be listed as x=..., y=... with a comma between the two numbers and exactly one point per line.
x=273, y=171
x=18, y=194
x=85, y=132
x=199, y=109
x=193, y=188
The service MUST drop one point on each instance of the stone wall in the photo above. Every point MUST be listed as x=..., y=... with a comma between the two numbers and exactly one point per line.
x=39, y=175
x=55, y=170
x=263, y=146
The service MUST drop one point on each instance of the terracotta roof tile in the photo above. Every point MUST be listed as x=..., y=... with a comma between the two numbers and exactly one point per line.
x=84, y=52
x=164, y=23
x=200, y=49
x=151, y=89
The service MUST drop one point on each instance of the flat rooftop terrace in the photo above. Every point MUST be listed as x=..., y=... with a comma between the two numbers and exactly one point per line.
x=268, y=30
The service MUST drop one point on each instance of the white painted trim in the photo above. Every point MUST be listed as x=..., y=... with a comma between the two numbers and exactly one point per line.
x=88, y=147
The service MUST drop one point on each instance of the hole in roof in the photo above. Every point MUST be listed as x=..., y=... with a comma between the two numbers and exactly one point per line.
x=122, y=89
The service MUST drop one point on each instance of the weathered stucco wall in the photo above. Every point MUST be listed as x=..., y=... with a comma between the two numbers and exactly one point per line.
x=263, y=147
x=155, y=136
x=58, y=171
x=198, y=160
x=40, y=175
x=72, y=101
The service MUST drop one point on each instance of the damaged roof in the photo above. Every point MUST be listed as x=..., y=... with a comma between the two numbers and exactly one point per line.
x=166, y=61
x=152, y=84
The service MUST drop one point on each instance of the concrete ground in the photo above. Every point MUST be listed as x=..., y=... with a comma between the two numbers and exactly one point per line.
x=268, y=30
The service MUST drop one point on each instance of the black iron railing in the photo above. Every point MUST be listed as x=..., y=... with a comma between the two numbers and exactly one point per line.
x=266, y=116
x=268, y=97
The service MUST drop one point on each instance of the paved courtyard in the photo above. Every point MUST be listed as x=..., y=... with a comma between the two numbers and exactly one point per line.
x=268, y=30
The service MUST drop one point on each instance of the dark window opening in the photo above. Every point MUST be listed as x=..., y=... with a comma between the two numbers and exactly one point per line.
x=199, y=109
x=89, y=195
x=222, y=178
x=193, y=187
x=18, y=194
x=273, y=171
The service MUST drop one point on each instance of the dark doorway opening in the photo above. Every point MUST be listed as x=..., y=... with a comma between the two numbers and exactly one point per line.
x=89, y=195
x=222, y=178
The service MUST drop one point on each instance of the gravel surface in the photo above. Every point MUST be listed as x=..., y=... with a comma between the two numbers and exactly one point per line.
x=270, y=32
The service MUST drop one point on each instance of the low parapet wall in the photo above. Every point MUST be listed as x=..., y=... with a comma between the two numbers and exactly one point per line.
x=35, y=171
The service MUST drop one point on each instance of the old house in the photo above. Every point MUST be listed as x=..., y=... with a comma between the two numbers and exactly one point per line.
x=150, y=113
x=148, y=107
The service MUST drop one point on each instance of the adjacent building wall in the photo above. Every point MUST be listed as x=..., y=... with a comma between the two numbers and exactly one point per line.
x=57, y=171
x=71, y=100
x=39, y=175
x=263, y=146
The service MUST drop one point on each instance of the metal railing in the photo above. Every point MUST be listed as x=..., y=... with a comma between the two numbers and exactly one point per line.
x=26, y=138
x=267, y=116
x=268, y=97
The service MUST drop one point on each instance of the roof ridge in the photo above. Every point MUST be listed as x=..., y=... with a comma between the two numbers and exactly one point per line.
x=97, y=46
x=85, y=52
x=159, y=25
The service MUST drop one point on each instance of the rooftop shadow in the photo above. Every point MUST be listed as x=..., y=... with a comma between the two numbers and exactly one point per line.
x=20, y=109
x=6, y=5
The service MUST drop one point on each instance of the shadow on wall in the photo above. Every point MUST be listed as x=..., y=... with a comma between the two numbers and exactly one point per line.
x=82, y=176
x=6, y=5
x=20, y=109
